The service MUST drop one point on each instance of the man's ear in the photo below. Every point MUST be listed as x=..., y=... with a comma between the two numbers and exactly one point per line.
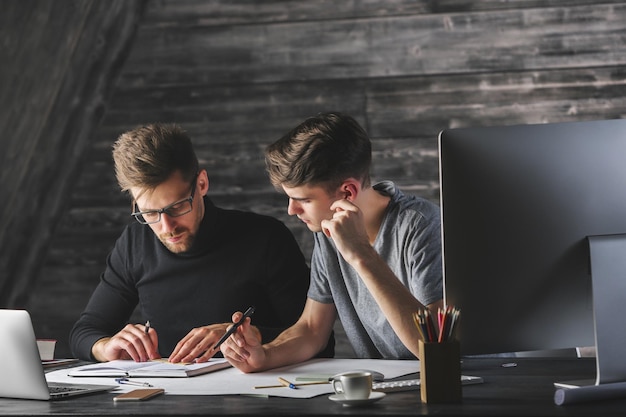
x=203, y=182
x=350, y=189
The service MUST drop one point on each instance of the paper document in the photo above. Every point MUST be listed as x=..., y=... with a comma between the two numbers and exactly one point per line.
x=155, y=369
x=233, y=381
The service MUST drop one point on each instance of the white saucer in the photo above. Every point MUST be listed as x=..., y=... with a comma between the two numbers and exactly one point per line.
x=374, y=396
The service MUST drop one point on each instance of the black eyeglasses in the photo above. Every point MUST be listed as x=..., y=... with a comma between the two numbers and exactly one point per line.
x=177, y=209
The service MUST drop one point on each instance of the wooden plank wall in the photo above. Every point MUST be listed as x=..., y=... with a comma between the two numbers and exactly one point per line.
x=59, y=61
x=238, y=74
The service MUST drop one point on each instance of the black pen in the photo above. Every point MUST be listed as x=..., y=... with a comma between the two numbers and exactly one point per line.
x=230, y=331
x=147, y=327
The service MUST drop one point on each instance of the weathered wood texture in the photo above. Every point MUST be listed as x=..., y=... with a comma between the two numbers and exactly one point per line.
x=239, y=74
x=59, y=60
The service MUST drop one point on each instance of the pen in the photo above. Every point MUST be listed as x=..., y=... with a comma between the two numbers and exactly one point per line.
x=286, y=383
x=127, y=381
x=147, y=327
x=230, y=331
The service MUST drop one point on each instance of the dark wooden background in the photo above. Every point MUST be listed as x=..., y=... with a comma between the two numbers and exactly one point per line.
x=237, y=75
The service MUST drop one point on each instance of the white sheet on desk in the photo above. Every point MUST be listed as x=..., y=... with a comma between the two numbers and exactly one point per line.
x=233, y=381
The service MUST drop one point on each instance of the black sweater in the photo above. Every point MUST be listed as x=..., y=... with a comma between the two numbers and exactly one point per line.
x=239, y=259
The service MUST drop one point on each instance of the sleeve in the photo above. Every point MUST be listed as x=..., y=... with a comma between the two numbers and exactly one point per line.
x=319, y=290
x=427, y=282
x=109, y=307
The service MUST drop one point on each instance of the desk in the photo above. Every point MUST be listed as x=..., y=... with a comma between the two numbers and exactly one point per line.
x=525, y=390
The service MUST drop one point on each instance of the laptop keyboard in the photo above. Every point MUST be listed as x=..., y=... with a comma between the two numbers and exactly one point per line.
x=414, y=384
x=393, y=386
x=60, y=388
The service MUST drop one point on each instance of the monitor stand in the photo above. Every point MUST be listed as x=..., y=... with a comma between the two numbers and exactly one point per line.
x=608, y=277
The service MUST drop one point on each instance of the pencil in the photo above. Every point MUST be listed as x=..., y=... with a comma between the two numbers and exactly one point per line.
x=416, y=320
x=287, y=383
x=296, y=384
x=430, y=327
x=130, y=382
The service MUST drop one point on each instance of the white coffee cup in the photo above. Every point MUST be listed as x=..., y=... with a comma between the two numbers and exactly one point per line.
x=354, y=385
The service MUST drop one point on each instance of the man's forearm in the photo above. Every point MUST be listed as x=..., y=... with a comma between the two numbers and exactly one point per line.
x=394, y=299
x=296, y=344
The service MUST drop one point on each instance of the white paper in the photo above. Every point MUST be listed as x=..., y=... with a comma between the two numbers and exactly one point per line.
x=233, y=381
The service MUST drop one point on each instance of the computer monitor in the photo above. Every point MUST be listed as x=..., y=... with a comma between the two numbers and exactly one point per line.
x=519, y=204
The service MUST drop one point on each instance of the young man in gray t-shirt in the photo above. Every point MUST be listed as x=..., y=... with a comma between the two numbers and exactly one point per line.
x=377, y=253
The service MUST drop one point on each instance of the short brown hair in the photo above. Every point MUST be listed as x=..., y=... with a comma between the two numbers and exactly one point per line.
x=324, y=150
x=148, y=155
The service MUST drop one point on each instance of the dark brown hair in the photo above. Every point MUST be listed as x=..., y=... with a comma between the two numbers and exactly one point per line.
x=148, y=155
x=324, y=150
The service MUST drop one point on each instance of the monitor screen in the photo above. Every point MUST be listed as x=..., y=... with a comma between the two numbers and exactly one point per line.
x=518, y=203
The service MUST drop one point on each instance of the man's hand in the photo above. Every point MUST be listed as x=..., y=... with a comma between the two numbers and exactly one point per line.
x=243, y=348
x=198, y=345
x=132, y=342
x=347, y=229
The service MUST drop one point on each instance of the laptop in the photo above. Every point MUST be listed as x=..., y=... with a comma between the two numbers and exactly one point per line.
x=21, y=369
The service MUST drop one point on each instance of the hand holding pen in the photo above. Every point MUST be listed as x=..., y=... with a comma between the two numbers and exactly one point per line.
x=244, y=349
x=153, y=340
x=232, y=330
x=134, y=341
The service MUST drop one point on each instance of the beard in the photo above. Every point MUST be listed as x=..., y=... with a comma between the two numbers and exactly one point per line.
x=183, y=244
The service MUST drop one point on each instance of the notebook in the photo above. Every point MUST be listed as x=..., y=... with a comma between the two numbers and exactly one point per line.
x=21, y=370
x=156, y=368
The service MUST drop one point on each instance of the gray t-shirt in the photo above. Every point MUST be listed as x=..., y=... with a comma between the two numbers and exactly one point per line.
x=409, y=241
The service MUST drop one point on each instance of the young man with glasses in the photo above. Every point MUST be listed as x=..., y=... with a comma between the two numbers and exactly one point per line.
x=377, y=253
x=185, y=263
